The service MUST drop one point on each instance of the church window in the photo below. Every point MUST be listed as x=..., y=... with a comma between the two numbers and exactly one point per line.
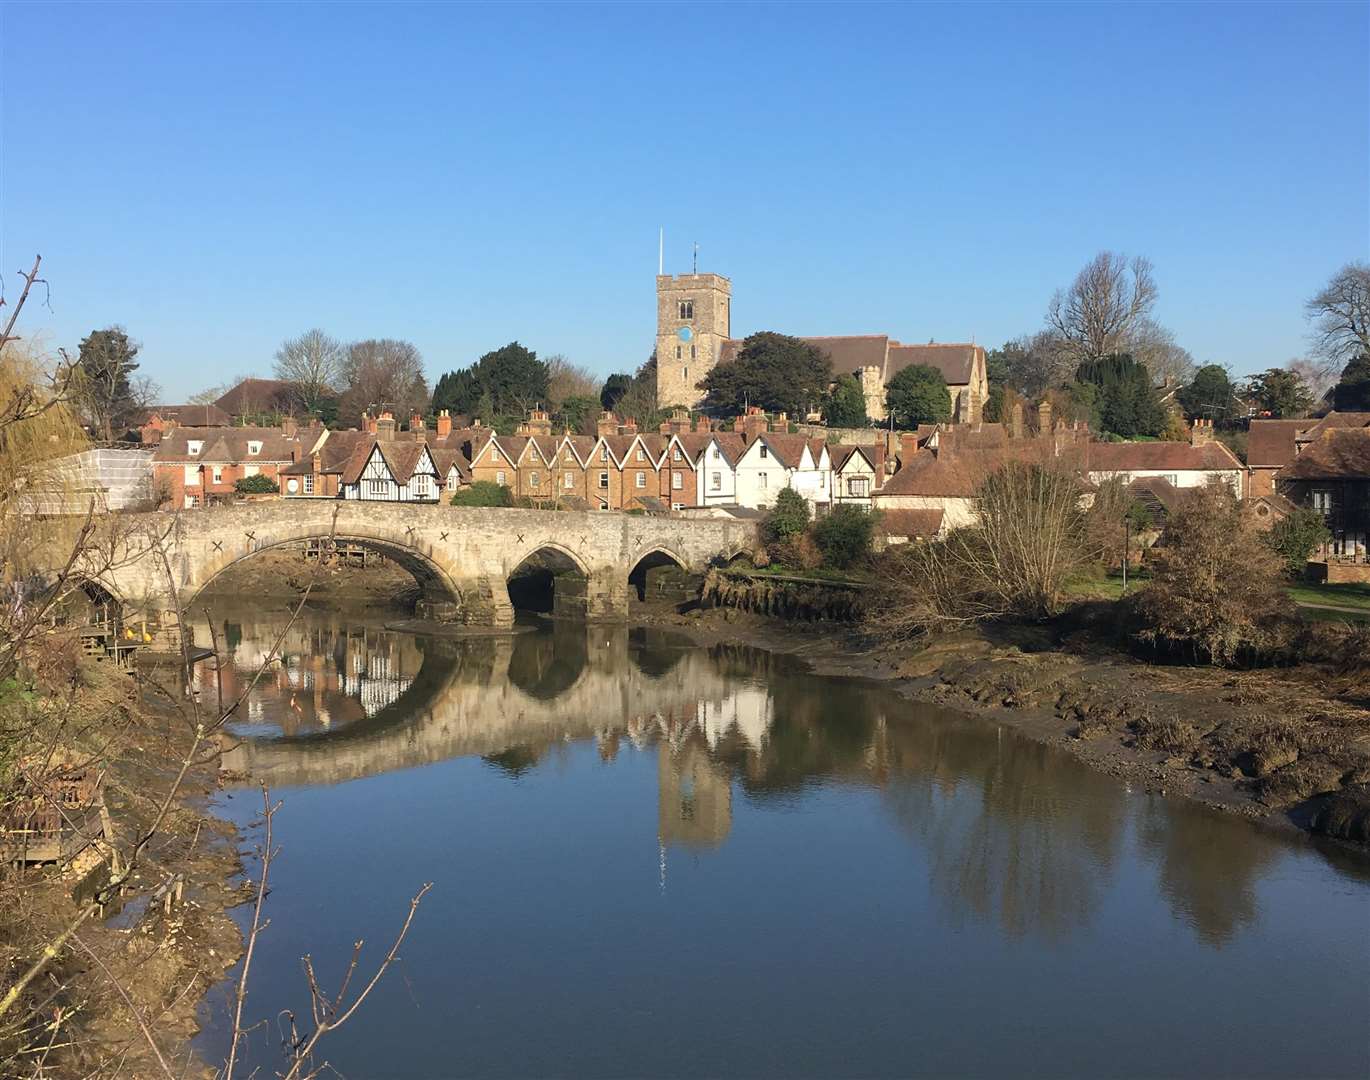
x=678, y=353
x=687, y=309
x=685, y=372
x=693, y=353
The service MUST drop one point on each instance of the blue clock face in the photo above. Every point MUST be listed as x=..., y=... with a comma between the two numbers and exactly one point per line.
x=685, y=333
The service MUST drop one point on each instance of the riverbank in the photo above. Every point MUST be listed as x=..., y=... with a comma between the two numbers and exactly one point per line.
x=1287, y=747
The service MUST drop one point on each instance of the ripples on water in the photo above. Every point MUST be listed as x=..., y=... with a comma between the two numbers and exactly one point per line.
x=657, y=859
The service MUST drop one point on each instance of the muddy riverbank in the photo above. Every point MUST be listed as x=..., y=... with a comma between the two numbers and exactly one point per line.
x=1287, y=747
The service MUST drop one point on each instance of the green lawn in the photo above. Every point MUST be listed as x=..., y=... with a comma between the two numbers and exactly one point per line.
x=1355, y=596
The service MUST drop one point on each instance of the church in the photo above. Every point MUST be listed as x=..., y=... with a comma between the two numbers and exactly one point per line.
x=693, y=334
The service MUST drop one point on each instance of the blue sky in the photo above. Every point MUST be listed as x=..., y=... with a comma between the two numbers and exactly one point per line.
x=219, y=178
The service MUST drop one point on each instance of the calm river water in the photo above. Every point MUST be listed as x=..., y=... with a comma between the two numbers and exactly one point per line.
x=656, y=859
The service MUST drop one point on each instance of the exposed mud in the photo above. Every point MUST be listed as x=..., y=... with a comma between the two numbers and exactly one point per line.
x=1289, y=747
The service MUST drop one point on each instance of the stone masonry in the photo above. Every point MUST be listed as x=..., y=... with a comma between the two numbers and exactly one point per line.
x=701, y=304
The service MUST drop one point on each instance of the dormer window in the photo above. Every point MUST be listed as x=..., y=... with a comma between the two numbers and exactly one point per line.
x=254, y=448
x=194, y=446
x=641, y=454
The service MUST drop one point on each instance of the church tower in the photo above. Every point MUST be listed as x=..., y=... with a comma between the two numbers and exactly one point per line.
x=692, y=323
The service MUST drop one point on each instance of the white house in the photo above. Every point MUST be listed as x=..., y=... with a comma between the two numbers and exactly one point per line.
x=857, y=474
x=1183, y=465
x=716, y=470
x=393, y=472
x=772, y=462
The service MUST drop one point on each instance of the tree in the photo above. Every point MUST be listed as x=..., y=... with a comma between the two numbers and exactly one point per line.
x=105, y=363
x=1217, y=589
x=1280, y=393
x=1107, y=299
x=1340, y=314
x=918, y=395
x=1154, y=346
x=1352, y=392
x=576, y=412
x=1032, y=364
x=615, y=386
x=788, y=518
x=774, y=371
x=845, y=406
x=459, y=392
x=382, y=372
x=844, y=535
x=1126, y=401
x=514, y=377
x=1209, y=395
x=1295, y=537
x=312, y=364
x=483, y=493
x=639, y=402
x=259, y=484
x=567, y=380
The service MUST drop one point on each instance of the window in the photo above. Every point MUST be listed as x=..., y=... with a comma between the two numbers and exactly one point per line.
x=254, y=447
x=693, y=353
x=677, y=352
x=762, y=481
x=765, y=451
x=309, y=485
x=192, y=474
x=603, y=453
x=250, y=470
x=1322, y=502
x=677, y=506
x=687, y=309
x=536, y=478
x=642, y=479
x=716, y=453
x=453, y=480
x=218, y=473
x=568, y=481
x=604, y=480
x=500, y=479
x=418, y=485
x=716, y=481
x=194, y=447
x=379, y=488
x=641, y=454
x=677, y=480
x=675, y=454
x=684, y=373
x=858, y=485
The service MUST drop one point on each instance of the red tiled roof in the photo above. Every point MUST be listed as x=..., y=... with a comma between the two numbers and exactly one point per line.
x=1341, y=453
x=1109, y=457
x=924, y=524
x=227, y=445
x=1336, y=419
x=1270, y=443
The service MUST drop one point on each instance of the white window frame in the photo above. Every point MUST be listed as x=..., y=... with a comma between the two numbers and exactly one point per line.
x=716, y=481
x=677, y=481
x=309, y=483
x=217, y=474
x=568, y=481
x=194, y=446
x=501, y=478
x=376, y=486
x=535, y=478
x=641, y=480
x=604, y=481
x=254, y=447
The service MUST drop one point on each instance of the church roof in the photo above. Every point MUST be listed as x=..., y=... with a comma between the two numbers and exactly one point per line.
x=955, y=362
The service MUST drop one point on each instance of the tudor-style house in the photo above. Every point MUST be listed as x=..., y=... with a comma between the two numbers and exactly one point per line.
x=1331, y=475
x=858, y=474
x=380, y=464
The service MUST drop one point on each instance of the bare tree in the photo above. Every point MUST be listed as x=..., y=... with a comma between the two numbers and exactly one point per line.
x=382, y=372
x=1340, y=315
x=568, y=380
x=1319, y=375
x=1152, y=344
x=312, y=364
x=1094, y=317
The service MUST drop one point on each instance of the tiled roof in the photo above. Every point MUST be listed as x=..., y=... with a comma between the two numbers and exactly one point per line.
x=227, y=445
x=1334, y=420
x=955, y=362
x=199, y=415
x=1270, y=443
x=1340, y=454
x=846, y=353
x=1108, y=457
x=254, y=395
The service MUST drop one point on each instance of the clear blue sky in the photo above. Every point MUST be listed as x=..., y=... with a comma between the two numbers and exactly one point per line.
x=218, y=178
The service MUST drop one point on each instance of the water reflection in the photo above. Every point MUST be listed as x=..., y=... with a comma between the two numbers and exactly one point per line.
x=1013, y=833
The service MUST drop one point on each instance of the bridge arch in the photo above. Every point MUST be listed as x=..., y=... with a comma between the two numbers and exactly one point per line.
x=550, y=579
x=661, y=574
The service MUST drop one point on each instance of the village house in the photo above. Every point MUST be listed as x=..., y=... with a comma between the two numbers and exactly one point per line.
x=1184, y=465
x=195, y=466
x=858, y=472
x=716, y=469
x=1331, y=475
x=254, y=398
x=160, y=419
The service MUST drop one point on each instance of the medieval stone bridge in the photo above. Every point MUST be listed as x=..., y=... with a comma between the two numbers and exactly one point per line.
x=462, y=557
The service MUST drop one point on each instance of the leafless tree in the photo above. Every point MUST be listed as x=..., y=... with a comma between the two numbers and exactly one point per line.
x=312, y=364
x=1038, y=361
x=209, y=395
x=1094, y=317
x=1151, y=344
x=1319, y=375
x=1340, y=314
x=382, y=372
x=568, y=380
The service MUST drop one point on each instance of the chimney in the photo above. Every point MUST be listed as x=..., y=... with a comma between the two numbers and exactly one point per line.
x=664, y=428
x=628, y=427
x=415, y=422
x=1201, y=432
x=384, y=426
x=315, y=423
x=702, y=423
x=607, y=424
x=781, y=423
x=752, y=423
x=1044, y=418
x=538, y=422
x=289, y=428
x=1015, y=428
x=908, y=447
x=444, y=424
x=679, y=422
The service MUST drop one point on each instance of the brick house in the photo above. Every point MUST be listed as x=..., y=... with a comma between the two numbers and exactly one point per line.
x=197, y=466
x=1332, y=476
x=162, y=418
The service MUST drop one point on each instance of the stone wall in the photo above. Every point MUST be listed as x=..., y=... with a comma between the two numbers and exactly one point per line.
x=677, y=376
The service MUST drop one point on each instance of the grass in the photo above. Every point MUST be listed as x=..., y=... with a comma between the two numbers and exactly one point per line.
x=1102, y=586
x=1355, y=596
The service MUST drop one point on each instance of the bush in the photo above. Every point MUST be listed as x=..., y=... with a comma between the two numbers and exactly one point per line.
x=1296, y=537
x=788, y=517
x=256, y=485
x=483, y=493
x=844, y=536
x=1217, y=590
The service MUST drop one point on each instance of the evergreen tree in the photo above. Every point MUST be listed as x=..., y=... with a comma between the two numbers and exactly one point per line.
x=774, y=371
x=918, y=395
x=1280, y=393
x=1352, y=392
x=1126, y=401
x=615, y=386
x=106, y=360
x=1209, y=395
x=845, y=406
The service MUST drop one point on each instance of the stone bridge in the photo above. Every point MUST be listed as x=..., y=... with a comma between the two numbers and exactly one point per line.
x=462, y=557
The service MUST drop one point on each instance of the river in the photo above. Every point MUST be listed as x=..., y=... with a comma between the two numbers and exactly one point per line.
x=651, y=858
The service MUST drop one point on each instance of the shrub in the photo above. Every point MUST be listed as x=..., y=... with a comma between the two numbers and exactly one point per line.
x=844, y=536
x=1296, y=537
x=483, y=493
x=788, y=517
x=256, y=485
x=1217, y=590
